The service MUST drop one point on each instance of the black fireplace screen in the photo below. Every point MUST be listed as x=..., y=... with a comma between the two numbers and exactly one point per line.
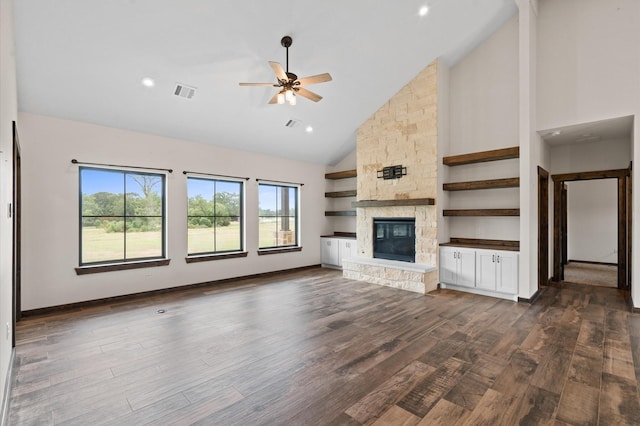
x=395, y=239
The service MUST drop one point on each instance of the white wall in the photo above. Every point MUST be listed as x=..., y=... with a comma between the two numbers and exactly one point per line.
x=588, y=156
x=592, y=220
x=483, y=115
x=50, y=206
x=442, y=199
x=8, y=114
x=588, y=60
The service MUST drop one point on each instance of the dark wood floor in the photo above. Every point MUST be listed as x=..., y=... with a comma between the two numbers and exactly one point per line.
x=313, y=348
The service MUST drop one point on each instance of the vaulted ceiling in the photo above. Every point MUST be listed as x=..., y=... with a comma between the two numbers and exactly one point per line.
x=85, y=59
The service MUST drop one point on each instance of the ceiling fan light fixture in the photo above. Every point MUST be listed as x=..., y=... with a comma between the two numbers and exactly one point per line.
x=292, y=101
x=288, y=95
x=280, y=98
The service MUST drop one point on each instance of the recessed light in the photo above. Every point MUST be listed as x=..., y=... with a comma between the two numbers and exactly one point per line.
x=148, y=82
x=423, y=10
x=308, y=129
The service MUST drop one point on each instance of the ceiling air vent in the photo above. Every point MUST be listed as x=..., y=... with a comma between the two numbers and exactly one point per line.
x=292, y=123
x=184, y=91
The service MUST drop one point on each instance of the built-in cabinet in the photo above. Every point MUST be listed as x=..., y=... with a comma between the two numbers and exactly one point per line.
x=457, y=266
x=495, y=262
x=485, y=271
x=497, y=271
x=334, y=249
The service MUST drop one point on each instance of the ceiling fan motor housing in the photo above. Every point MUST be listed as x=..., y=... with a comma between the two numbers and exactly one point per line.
x=286, y=41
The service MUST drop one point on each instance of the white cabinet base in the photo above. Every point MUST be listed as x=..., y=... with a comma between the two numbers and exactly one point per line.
x=512, y=297
x=480, y=271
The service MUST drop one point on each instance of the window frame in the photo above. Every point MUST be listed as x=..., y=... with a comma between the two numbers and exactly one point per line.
x=131, y=263
x=219, y=254
x=296, y=246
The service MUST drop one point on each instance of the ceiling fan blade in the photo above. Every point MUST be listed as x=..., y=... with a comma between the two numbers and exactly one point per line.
x=277, y=68
x=320, y=78
x=308, y=94
x=258, y=84
x=274, y=100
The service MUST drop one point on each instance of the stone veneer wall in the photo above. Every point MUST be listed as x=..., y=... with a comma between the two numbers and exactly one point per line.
x=404, y=132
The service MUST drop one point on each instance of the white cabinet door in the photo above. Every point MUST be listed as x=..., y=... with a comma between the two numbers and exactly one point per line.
x=330, y=251
x=348, y=248
x=507, y=272
x=486, y=269
x=466, y=267
x=457, y=266
x=448, y=265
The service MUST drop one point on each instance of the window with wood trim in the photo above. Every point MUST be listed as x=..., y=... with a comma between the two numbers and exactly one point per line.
x=122, y=216
x=278, y=216
x=214, y=220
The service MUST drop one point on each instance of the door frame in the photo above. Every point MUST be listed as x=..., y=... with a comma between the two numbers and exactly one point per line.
x=560, y=214
x=16, y=211
x=543, y=227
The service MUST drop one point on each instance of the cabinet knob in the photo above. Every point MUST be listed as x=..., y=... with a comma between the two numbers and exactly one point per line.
x=498, y=258
x=493, y=258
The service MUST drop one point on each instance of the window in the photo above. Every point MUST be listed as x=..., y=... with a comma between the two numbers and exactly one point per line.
x=278, y=216
x=214, y=222
x=122, y=216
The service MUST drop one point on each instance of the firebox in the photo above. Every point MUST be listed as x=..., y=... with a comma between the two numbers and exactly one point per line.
x=395, y=239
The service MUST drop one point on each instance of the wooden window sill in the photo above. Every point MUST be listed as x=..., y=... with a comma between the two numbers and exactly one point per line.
x=263, y=252
x=97, y=269
x=209, y=257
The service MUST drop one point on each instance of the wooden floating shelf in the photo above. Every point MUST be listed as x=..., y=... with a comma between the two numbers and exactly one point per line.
x=482, y=184
x=341, y=213
x=482, y=156
x=482, y=212
x=344, y=234
x=339, y=194
x=510, y=245
x=393, y=203
x=341, y=175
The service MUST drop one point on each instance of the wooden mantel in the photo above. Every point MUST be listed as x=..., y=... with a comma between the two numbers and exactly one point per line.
x=394, y=203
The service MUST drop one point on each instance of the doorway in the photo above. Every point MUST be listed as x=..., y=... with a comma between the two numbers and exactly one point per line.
x=560, y=235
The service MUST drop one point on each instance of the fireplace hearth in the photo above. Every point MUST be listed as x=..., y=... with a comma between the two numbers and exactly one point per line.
x=394, y=239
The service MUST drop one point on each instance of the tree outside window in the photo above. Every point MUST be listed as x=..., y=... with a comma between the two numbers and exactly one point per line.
x=122, y=216
x=214, y=221
x=278, y=216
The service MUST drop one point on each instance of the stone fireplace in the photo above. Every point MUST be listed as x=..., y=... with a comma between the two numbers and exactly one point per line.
x=403, y=132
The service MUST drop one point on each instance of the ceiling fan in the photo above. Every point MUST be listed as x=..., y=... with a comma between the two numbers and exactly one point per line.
x=289, y=83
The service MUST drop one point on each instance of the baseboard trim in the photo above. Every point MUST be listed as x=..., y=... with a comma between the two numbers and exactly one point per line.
x=531, y=300
x=7, y=390
x=592, y=262
x=133, y=296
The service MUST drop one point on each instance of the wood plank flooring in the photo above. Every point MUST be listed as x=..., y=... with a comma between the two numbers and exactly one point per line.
x=313, y=348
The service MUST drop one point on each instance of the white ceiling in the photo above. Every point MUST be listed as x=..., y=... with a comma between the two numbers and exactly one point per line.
x=84, y=60
x=602, y=130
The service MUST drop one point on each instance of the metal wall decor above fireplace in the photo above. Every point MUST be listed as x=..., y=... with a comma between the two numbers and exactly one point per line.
x=394, y=239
